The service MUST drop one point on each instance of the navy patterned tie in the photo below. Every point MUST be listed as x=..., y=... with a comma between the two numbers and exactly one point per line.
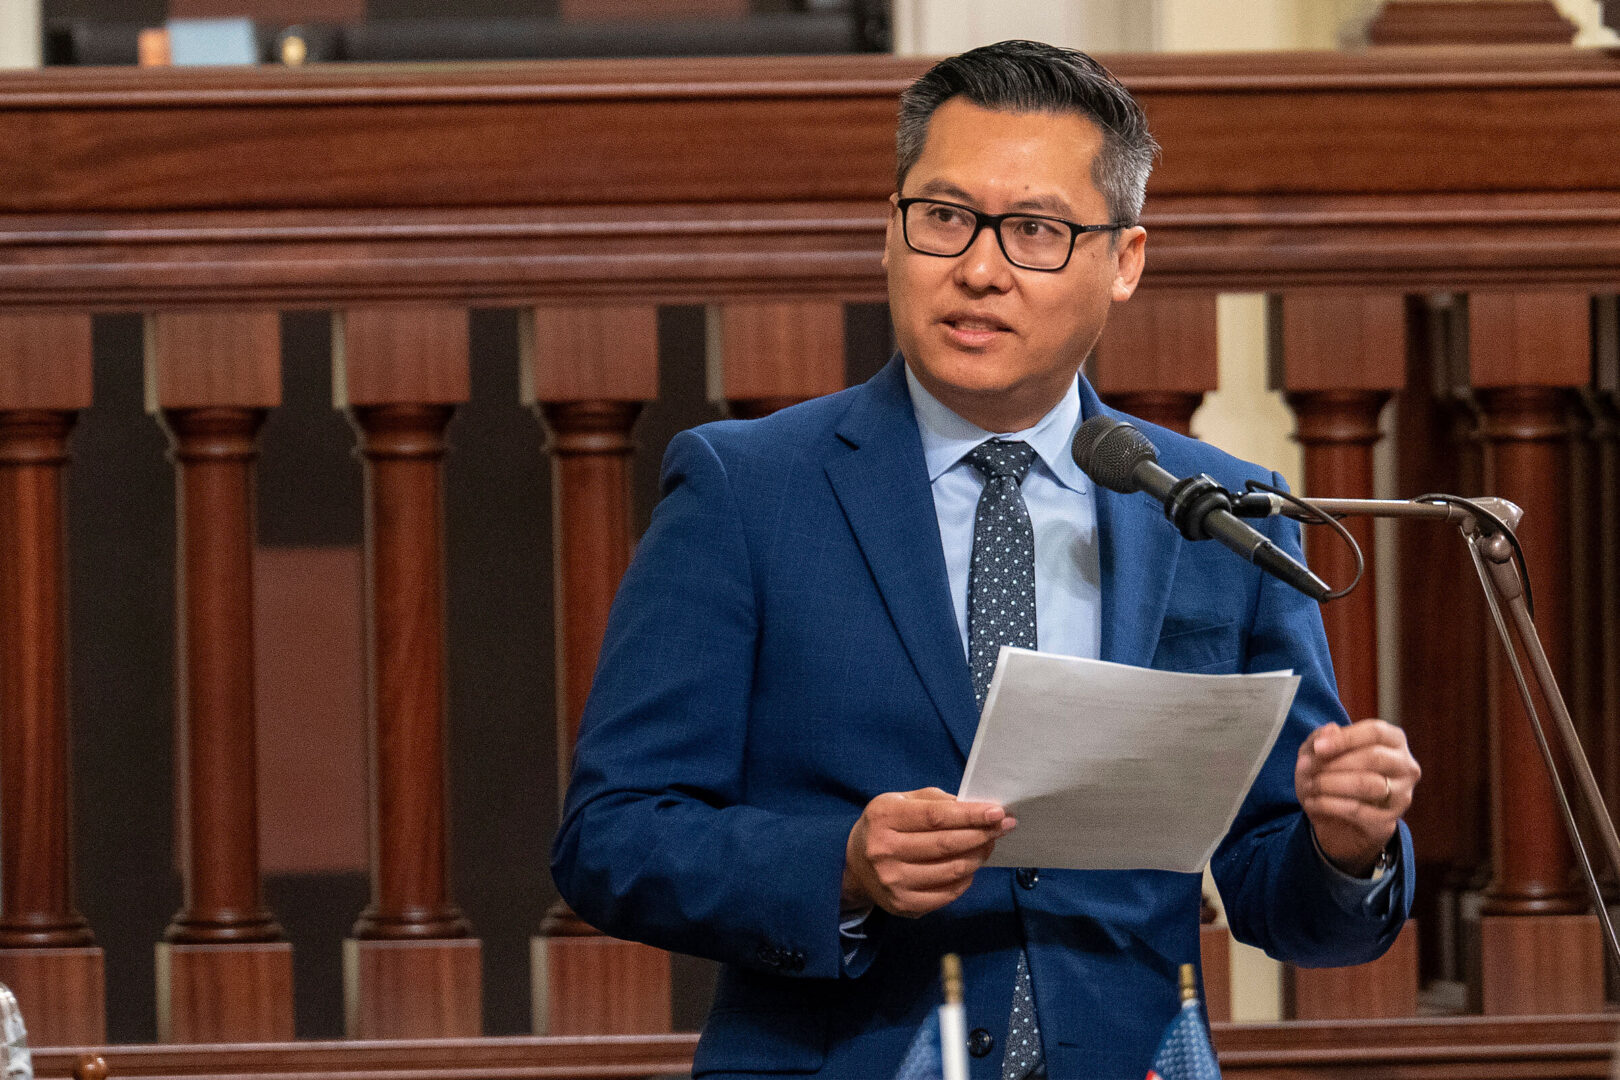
x=1001, y=611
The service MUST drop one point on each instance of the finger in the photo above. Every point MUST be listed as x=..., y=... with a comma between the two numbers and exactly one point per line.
x=1385, y=760
x=1364, y=817
x=1332, y=740
x=932, y=846
x=930, y=877
x=924, y=815
x=1369, y=787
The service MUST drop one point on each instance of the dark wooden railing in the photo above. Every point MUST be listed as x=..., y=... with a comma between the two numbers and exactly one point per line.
x=1440, y=229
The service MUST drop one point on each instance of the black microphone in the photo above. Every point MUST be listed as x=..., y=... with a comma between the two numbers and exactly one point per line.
x=1120, y=458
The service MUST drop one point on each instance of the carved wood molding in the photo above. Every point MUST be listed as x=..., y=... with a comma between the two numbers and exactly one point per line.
x=1472, y=22
x=1420, y=1049
x=492, y=184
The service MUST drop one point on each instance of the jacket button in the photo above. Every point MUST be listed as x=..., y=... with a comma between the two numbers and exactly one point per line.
x=980, y=1042
x=1027, y=876
x=769, y=956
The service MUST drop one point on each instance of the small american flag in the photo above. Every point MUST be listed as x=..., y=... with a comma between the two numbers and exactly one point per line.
x=1185, y=1052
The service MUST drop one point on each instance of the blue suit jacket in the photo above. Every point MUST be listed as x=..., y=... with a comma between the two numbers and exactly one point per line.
x=783, y=649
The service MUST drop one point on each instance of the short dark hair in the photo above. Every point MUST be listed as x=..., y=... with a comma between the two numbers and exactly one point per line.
x=1028, y=76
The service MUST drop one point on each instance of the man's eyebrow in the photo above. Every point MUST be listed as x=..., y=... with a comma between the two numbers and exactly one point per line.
x=1039, y=204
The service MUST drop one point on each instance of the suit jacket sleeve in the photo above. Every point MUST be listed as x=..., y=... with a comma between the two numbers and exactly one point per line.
x=1274, y=882
x=658, y=841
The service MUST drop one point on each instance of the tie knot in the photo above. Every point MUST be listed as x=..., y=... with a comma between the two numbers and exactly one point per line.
x=995, y=458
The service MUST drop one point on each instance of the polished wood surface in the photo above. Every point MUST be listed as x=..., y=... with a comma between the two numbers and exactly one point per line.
x=1470, y=22
x=413, y=989
x=1444, y=637
x=62, y=992
x=1157, y=356
x=1384, y=989
x=1459, y=1048
x=48, y=954
x=1547, y=965
x=239, y=992
x=766, y=354
x=488, y=181
x=589, y=983
x=1215, y=957
x=210, y=379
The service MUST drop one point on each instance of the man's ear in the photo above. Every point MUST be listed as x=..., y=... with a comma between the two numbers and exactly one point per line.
x=889, y=233
x=1129, y=257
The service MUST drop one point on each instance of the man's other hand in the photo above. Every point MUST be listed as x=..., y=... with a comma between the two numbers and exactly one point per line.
x=1355, y=782
x=913, y=852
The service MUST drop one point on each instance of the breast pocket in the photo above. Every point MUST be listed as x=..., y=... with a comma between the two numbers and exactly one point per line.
x=1210, y=649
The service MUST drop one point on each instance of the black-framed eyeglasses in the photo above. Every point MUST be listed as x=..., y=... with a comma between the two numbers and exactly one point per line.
x=1029, y=241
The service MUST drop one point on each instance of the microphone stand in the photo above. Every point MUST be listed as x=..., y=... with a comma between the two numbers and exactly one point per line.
x=1492, y=551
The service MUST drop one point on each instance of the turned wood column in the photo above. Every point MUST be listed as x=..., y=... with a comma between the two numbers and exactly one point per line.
x=411, y=966
x=1606, y=438
x=587, y=371
x=1444, y=637
x=1157, y=356
x=224, y=971
x=1526, y=353
x=764, y=355
x=48, y=956
x=1342, y=356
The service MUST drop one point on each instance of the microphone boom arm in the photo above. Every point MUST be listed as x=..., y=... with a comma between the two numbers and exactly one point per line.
x=1493, y=555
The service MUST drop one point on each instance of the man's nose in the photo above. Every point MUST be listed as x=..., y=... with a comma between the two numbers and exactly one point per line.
x=983, y=266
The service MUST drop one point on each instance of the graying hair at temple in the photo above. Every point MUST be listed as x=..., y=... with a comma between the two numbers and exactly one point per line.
x=1028, y=76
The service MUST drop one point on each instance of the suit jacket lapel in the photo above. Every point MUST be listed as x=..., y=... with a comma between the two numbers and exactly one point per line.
x=1138, y=550
x=881, y=483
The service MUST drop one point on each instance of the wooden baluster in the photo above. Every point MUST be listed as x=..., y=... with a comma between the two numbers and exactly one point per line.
x=48, y=956
x=1606, y=581
x=1538, y=952
x=588, y=370
x=1343, y=355
x=1443, y=686
x=411, y=967
x=224, y=970
x=764, y=355
x=1157, y=356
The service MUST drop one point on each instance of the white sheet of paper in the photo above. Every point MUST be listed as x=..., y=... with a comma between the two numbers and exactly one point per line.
x=1112, y=767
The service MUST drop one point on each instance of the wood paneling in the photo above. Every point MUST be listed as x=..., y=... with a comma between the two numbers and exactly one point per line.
x=1157, y=356
x=589, y=352
x=1470, y=22
x=1545, y=965
x=490, y=182
x=587, y=984
x=766, y=354
x=225, y=993
x=399, y=356
x=309, y=653
x=1384, y=989
x=1215, y=955
x=61, y=992
x=651, y=9
x=44, y=360
x=1457, y=1048
x=1529, y=339
x=413, y=989
x=196, y=359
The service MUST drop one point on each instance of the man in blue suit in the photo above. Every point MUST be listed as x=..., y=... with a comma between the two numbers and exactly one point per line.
x=786, y=693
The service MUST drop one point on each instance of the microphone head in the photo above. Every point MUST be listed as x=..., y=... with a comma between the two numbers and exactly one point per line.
x=1109, y=450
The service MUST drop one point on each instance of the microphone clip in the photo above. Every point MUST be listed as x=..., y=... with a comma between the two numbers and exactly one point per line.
x=1190, y=502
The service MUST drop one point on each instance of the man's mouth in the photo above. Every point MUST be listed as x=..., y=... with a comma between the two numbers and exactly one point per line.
x=974, y=329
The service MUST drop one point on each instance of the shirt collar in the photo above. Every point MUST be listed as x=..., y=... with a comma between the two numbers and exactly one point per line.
x=946, y=436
